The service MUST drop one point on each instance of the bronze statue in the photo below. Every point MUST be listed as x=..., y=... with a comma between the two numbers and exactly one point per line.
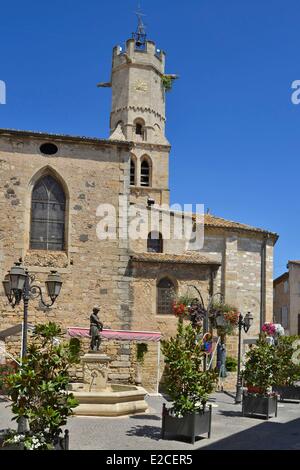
x=95, y=327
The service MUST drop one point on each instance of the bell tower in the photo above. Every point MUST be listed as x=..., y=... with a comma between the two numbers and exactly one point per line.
x=138, y=113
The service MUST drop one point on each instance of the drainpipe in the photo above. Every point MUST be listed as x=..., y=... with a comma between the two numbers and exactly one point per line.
x=263, y=278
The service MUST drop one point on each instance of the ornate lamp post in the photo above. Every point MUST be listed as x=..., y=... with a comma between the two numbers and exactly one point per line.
x=245, y=324
x=19, y=284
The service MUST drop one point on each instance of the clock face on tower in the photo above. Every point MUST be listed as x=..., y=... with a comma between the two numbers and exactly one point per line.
x=139, y=85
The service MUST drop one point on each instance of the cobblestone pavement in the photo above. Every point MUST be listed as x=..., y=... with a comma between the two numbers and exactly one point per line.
x=142, y=432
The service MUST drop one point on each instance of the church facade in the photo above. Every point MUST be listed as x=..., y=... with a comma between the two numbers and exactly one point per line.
x=51, y=190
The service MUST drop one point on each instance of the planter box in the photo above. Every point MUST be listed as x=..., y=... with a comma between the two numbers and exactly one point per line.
x=62, y=442
x=288, y=392
x=259, y=405
x=190, y=425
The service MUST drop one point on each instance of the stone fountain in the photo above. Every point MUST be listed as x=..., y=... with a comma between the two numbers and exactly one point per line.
x=98, y=398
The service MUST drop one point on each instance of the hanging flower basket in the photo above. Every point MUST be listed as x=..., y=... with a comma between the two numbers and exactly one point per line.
x=181, y=306
x=224, y=318
x=197, y=312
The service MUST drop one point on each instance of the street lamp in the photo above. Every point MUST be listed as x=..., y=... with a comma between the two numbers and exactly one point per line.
x=18, y=284
x=245, y=324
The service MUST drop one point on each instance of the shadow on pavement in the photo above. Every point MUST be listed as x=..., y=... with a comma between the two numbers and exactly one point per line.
x=232, y=414
x=145, y=417
x=153, y=432
x=265, y=436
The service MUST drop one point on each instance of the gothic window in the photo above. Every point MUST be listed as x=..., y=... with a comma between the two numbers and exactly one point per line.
x=155, y=242
x=166, y=292
x=132, y=171
x=48, y=206
x=145, y=172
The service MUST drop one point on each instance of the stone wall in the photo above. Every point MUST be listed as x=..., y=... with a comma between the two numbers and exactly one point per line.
x=294, y=292
x=92, y=270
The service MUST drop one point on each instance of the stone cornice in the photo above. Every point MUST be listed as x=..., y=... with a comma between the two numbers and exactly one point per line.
x=13, y=133
x=138, y=109
x=147, y=66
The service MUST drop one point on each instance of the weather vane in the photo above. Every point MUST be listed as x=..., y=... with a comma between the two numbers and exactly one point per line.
x=140, y=34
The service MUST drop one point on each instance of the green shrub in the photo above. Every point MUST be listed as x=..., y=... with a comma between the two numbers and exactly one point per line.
x=5, y=371
x=141, y=350
x=287, y=372
x=231, y=364
x=261, y=366
x=187, y=384
x=39, y=389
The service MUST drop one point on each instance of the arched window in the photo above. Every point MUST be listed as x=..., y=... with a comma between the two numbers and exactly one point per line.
x=155, y=242
x=145, y=172
x=166, y=292
x=139, y=129
x=132, y=171
x=48, y=205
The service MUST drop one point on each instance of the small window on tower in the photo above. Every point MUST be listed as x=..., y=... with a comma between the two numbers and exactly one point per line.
x=145, y=172
x=139, y=129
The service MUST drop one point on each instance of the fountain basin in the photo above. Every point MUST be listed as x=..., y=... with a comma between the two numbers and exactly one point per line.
x=114, y=400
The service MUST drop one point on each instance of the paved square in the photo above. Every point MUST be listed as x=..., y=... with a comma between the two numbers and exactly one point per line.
x=142, y=432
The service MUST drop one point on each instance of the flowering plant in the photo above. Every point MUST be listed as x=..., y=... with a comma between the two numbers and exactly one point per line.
x=232, y=317
x=224, y=318
x=273, y=329
x=181, y=306
x=196, y=313
x=179, y=309
x=28, y=441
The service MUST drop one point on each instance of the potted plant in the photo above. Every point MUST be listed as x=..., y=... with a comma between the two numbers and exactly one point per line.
x=141, y=350
x=187, y=385
x=39, y=391
x=259, y=375
x=287, y=372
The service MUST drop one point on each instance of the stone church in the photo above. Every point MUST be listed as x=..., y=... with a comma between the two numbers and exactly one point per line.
x=51, y=188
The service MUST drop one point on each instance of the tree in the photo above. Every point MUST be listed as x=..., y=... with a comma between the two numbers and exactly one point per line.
x=187, y=384
x=39, y=389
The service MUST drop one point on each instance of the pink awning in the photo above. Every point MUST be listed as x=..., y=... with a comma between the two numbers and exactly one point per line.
x=122, y=335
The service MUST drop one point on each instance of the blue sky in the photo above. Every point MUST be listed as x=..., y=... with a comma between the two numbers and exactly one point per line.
x=234, y=131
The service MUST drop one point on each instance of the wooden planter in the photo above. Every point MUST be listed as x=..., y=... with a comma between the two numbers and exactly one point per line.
x=287, y=392
x=259, y=405
x=190, y=425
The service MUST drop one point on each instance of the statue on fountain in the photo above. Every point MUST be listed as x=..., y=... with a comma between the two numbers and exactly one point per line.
x=96, y=326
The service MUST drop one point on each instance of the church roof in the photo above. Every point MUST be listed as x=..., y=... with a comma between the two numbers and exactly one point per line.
x=191, y=258
x=213, y=221
x=65, y=137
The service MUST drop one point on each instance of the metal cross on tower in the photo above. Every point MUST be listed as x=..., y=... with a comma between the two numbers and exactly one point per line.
x=140, y=35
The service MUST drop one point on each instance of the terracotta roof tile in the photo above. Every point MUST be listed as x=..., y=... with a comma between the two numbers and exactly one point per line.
x=213, y=221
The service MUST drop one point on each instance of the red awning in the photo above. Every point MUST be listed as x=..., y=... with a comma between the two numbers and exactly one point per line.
x=122, y=335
